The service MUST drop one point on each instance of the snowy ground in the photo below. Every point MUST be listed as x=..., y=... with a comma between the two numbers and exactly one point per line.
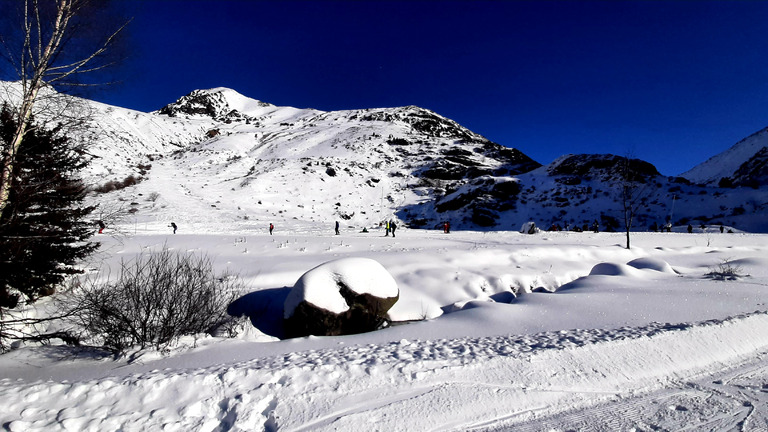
x=629, y=340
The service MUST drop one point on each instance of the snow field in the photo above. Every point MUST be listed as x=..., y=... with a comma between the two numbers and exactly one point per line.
x=621, y=326
x=460, y=384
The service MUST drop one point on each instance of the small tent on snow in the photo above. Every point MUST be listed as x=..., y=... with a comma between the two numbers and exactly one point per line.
x=529, y=228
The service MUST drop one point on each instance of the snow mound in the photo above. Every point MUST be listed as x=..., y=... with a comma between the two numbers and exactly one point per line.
x=637, y=268
x=652, y=264
x=320, y=286
x=613, y=269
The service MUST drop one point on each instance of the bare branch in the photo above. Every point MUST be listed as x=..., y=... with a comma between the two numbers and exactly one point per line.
x=77, y=67
x=44, y=41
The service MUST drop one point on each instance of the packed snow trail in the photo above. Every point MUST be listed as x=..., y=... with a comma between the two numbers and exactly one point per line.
x=456, y=384
x=731, y=399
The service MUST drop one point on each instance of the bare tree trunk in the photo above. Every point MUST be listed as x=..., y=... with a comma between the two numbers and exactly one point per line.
x=10, y=157
x=626, y=197
x=633, y=194
x=36, y=64
x=628, y=247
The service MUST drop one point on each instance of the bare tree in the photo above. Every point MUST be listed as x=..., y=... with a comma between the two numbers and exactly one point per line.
x=52, y=44
x=633, y=191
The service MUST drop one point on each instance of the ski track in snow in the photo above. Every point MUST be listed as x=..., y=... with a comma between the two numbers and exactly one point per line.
x=724, y=401
x=456, y=384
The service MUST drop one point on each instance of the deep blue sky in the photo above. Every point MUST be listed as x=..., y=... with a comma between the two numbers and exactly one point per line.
x=672, y=83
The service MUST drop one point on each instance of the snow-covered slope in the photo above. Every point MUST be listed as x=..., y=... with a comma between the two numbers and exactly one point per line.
x=118, y=139
x=248, y=159
x=742, y=164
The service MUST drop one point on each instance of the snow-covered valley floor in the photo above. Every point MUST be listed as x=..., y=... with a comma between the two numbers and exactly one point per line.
x=636, y=339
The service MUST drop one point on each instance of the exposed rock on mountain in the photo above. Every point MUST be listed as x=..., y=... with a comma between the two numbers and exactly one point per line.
x=753, y=172
x=606, y=167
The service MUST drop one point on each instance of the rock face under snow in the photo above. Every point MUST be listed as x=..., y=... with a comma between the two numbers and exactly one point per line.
x=345, y=296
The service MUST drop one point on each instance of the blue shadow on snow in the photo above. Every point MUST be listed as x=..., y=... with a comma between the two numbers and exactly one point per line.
x=264, y=308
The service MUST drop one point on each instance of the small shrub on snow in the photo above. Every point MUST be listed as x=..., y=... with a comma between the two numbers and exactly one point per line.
x=726, y=270
x=157, y=298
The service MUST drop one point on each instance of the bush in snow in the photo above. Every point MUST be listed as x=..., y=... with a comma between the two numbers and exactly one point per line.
x=726, y=270
x=345, y=296
x=157, y=298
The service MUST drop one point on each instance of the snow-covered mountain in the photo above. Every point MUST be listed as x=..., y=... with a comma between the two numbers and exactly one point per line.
x=578, y=189
x=250, y=159
x=744, y=164
x=215, y=156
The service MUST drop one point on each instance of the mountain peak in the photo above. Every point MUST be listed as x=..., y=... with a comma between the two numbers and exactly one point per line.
x=217, y=103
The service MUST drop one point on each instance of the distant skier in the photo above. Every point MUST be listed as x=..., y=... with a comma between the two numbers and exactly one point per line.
x=386, y=228
x=271, y=227
x=173, y=225
x=101, y=226
x=721, y=229
x=337, y=227
x=392, y=227
x=690, y=228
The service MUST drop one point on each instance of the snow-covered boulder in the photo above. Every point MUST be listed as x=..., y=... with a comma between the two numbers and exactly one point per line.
x=345, y=296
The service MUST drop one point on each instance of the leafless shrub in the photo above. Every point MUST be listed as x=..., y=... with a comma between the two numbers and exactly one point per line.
x=726, y=270
x=157, y=298
x=22, y=324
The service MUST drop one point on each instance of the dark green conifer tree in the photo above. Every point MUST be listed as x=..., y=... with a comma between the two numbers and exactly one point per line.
x=43, y=230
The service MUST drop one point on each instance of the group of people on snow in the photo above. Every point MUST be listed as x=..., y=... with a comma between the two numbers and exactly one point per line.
x=103, y=226
x=390, y=226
